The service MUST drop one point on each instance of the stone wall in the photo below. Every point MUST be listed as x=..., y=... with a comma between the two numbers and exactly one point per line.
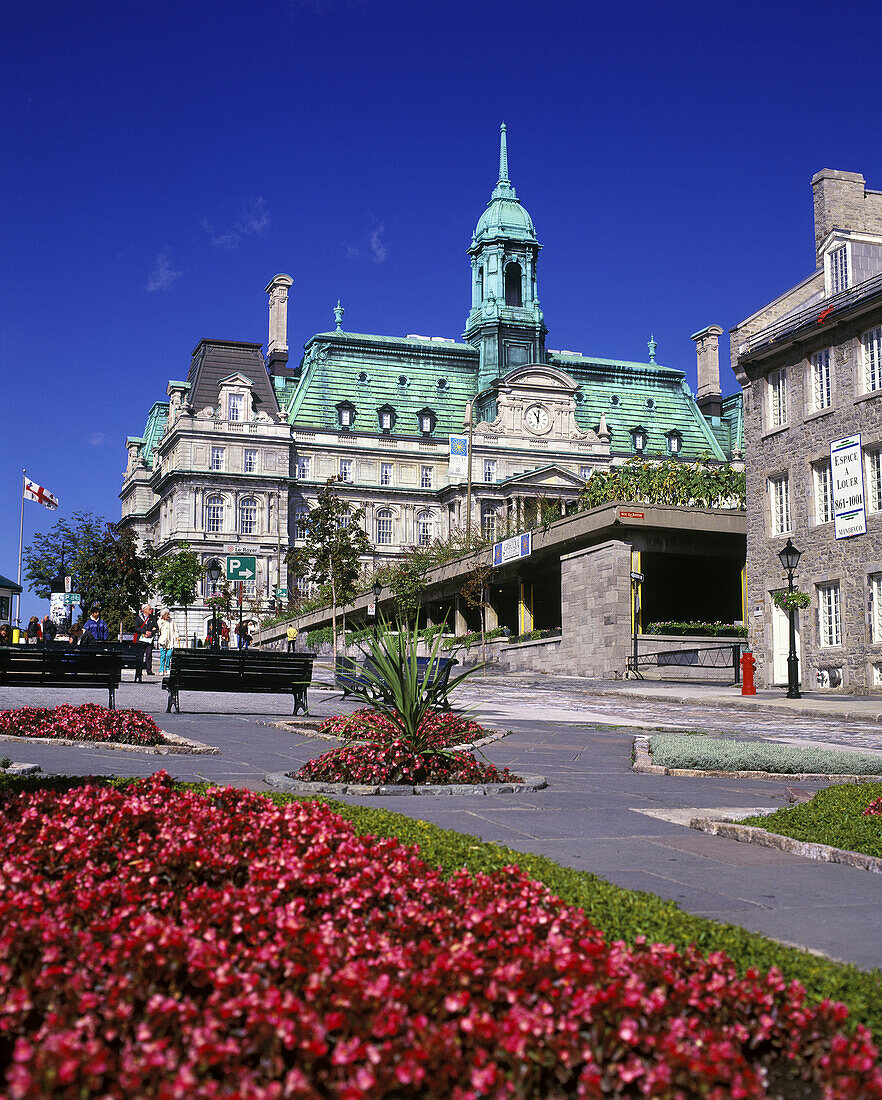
x=595, y=591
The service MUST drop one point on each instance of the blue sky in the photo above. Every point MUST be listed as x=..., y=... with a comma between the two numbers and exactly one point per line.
x=164, y=161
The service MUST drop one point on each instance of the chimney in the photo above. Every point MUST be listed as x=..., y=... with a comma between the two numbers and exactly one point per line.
x=839, y=204
x=277, y=341
x=707, y=347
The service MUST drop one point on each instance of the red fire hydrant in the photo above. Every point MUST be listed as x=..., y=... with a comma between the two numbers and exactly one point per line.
x=748, y=664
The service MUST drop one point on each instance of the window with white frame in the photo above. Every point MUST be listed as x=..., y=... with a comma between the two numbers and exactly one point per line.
x=876, y=596
x=823, y=493
x=384, y=527
x=235, y=406
x=250, y=460
x=585, y=472
x=779, y=499
x=217, y=458
x=777, y=391
x=425, y=477
x=247, y=516
x=871, y=348
x=385, y=473
x=345, y=518
x=300, y=515
x=303, y=465
x=490, y=470
x=829, y=615
x=837, y=267
x=874, y=478
x=214, y=515
x=346, y=469
x=424, y=528
x=822, y=389
x=488, y=520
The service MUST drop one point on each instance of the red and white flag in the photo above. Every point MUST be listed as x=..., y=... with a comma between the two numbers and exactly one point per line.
x=32, y=491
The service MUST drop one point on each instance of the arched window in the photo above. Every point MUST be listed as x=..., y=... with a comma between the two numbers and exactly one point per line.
x=513, y=284
x=300, y=515
x=384, y=527
x=424, y=528
x=247, y=516
x=214, y=515
x=480, y=284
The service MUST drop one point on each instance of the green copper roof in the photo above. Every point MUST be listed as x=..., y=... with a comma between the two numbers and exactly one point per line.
x=154, y=429
x=504, y=216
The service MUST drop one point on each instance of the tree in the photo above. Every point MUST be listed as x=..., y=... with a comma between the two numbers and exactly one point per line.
x=333, y=544
x=474, y=592
x=107, y=566
x=407, y=580
x=177, y=579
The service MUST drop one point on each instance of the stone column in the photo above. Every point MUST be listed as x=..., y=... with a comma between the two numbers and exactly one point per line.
x=277, y=290
x=491, y=611
x=459, y=622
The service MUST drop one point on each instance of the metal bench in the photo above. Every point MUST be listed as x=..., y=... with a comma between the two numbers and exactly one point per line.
x=240, y=670
x=349, y=674
x=65, y=667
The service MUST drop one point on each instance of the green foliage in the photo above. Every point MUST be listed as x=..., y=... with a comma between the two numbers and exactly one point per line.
x=833, y=816
x=314, y=638
x=723, y=754
x=178, y=576
x=696, y=484
x=107, y=565
x=795, y=599
x=712, y=630
x=397, y=690
x=407, y=579
x=466, y=641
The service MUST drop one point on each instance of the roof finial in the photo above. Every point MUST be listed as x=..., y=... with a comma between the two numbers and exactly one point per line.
x=503, y=156
x=653, y=346
x=338, y=316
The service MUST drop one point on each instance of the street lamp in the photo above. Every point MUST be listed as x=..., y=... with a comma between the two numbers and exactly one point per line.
x=789, y=558
x=377, y=588
x=213, y=572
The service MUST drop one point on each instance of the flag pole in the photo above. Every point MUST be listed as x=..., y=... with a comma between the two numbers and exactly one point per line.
x=20, y=534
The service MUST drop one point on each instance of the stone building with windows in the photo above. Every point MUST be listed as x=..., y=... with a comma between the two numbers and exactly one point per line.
x=235, y=457
x=810, y=364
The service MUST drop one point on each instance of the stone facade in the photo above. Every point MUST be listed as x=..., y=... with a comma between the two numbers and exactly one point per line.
x=808, y=364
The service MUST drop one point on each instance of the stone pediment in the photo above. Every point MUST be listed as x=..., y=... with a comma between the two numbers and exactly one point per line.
x=538, y=377
x=237, y=379
x=546, y=477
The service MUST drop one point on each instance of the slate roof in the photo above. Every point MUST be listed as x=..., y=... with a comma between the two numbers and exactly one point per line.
x=214, y=360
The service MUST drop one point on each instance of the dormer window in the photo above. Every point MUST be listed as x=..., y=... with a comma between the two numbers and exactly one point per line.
x=638, y=438
x=235, y=406
x=386, y=418
x=675, y=442
x=346, y=415
x=838, y=273
x=426, y=420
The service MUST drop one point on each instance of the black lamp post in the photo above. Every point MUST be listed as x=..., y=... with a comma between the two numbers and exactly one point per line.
x=377, y=589
x=790, y=559
x=213, y=572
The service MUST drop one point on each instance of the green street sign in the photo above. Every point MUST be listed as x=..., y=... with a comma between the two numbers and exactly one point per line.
x=71, y=599
x=281, y=593
x=241, y=568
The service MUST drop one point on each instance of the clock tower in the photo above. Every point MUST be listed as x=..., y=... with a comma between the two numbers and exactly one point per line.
x=505, y=324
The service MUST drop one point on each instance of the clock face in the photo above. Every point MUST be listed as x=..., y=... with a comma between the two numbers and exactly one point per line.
x=536, y=418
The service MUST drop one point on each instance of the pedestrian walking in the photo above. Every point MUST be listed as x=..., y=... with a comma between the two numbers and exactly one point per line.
x=224, y=635
x=145, y=631
x=291, y=633
x=95, y=626
x=33, y=633
x=49, y=629
x=168, y=640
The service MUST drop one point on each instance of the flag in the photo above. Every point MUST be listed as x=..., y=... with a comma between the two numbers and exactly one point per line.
x=32, y=491
x=459, y=457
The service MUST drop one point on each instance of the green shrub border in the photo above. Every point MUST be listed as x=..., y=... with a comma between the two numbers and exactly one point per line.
x=832, y=816
x=621, y=914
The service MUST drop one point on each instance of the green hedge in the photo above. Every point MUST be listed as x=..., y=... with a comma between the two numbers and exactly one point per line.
x=834, y=816
x=695, y=628
x=691, y=750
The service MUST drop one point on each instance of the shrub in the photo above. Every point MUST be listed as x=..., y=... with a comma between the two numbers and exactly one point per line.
x=711, y=630
x=160, y=943
x=444, y=729
x=722, y=754
x=842, y=816
x=84, y=723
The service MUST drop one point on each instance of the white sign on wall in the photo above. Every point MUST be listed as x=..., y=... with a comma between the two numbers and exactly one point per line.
x=847, y=477
x=458, y=464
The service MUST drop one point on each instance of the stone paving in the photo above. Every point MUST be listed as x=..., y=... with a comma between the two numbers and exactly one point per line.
x=596, y=815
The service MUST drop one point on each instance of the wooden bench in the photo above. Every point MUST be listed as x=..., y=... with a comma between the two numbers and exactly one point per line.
x=66, y=667
x=349, y=674
x=132, y=654
x=241, y=670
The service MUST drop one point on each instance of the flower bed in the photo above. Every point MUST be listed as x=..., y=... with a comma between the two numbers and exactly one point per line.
x=154, y=942
x=445, y=729
x=396, y=762
x=88, y=722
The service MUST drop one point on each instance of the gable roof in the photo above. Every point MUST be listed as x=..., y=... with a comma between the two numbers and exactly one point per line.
x=215, y=361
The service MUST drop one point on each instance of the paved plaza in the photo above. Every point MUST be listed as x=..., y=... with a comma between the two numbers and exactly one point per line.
x=596, y=814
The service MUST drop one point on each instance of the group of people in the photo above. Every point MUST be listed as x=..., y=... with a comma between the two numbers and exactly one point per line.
x=243, y=635
x=160, y=631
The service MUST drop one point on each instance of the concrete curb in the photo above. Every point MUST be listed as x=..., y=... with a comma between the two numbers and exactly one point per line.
x=21, y=769
x=176, y=746
x=643, y=763
x=765, y=706
x=752, y=834
x=282, y=781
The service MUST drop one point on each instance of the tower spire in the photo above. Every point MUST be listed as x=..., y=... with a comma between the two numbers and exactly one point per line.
x=503, y=189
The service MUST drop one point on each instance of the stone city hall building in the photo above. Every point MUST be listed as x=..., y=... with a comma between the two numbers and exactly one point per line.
x=810, y=364
x=233, y=459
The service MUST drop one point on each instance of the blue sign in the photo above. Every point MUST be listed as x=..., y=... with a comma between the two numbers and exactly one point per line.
x=512, y=549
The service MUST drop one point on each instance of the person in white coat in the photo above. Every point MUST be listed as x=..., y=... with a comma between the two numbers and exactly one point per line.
x=168, y=640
